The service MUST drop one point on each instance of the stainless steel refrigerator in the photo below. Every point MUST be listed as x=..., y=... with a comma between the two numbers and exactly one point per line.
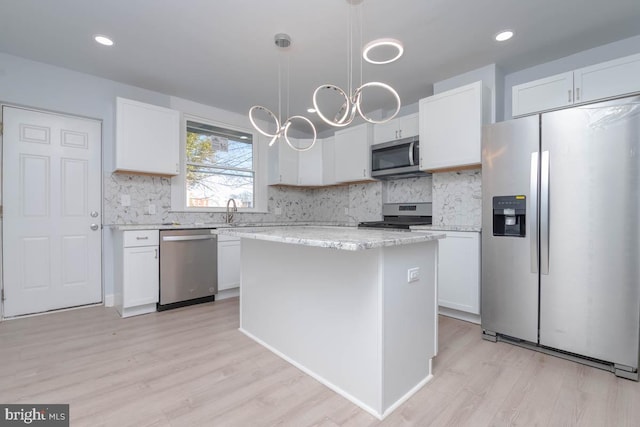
x=561, y=233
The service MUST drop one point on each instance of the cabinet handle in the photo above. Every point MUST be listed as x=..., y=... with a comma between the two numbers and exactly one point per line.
x=142, y=238
x=577, y=94
x=569, y=99
x=364, y=173
x=396, y=134
x=400, y=133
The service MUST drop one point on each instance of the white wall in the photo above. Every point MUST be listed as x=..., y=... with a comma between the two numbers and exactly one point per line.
x=585, y=58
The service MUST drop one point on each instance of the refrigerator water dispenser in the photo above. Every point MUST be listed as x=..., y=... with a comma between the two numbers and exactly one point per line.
x=509, y=217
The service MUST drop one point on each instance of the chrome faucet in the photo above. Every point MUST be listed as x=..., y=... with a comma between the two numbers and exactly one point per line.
x=229, y=218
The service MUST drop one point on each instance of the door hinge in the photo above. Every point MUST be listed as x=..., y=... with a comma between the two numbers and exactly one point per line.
x=1, y=128
x=2, y=295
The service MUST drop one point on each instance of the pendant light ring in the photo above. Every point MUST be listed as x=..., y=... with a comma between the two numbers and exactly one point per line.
x=271, y=115
x=340, y=120
x=286, y=127
x=358, y=97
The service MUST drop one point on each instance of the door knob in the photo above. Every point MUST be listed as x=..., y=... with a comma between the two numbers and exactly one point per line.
x=94, y=214
x=94, y=227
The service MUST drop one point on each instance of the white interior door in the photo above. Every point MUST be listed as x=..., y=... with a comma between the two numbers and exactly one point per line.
x=52, y=197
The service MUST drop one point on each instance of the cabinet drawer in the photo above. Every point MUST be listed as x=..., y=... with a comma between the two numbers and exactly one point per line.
x=140, y=238
x=227, y=238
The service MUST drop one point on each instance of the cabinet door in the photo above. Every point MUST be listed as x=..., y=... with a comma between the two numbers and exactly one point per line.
x=328, y=161
x=147, y=138
x=228, y=263
x=353, y=153
x=608, y=79
x=451, y=128
x=140, y=276
x=408, y=126
x=544, y=94
x=310, y=164
x=385, y=132
x=459, y=271
x=283, y=163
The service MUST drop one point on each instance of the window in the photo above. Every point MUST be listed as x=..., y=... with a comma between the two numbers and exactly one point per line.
x=219, y=165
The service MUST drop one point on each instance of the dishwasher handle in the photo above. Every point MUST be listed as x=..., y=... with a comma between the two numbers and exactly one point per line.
x=187, y=238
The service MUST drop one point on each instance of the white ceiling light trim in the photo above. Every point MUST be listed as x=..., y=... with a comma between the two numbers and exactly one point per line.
x=504, y=35
x=378, y=43
x=352, y=99
x=283, y=41
x=103, y=40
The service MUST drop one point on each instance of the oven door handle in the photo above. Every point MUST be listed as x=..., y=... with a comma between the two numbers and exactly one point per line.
x=411, y=159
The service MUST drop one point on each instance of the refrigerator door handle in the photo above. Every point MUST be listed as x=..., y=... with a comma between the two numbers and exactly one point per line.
x=533, y=212
x=544, y=213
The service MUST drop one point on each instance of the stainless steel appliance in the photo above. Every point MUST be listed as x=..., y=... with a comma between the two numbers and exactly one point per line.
x=188, y=267
x=401, y=216
x=561, y=236
x=396, y=159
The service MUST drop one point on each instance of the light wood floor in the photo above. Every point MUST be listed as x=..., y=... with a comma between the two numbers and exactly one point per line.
x=191, y=366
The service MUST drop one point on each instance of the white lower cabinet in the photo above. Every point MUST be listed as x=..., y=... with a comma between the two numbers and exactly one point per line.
x=228, y=262
x=459, y=275
x=137, y=266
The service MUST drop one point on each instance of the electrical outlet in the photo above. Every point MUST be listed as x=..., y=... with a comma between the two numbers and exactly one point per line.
x=151, y=209
x=278, y=211
x=413, y=275
x=346, y=211
x=125, y=200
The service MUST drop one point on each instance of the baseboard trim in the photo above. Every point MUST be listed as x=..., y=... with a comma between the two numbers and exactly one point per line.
x=457, y=314
x=109, y=300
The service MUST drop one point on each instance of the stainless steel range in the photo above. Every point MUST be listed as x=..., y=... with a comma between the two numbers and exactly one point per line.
x=401, y=216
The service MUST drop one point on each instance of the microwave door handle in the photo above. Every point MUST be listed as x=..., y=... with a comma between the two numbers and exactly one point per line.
x=411, y=159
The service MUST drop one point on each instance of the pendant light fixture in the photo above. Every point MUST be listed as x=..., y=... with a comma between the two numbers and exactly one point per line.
x=352, y=99
x=282, y=41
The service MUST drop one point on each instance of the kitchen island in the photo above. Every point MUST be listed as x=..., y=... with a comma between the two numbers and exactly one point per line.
x=341, y=304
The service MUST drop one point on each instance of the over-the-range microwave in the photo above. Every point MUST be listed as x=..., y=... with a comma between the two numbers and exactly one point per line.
x=396, y=159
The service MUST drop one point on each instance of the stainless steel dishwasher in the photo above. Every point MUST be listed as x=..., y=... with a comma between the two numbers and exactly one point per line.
x=188, y=267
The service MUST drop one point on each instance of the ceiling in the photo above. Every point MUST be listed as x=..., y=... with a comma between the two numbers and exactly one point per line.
x=221, y=52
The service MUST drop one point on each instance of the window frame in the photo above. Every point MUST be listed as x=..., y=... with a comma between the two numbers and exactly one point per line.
x=179, y=184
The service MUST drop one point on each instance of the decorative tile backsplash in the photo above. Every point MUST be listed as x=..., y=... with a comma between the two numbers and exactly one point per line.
x=407, y=190
x=456, y=200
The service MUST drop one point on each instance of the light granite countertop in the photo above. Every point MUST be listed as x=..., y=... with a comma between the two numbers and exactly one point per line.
x=344, y=238
x=178, y=226
x=474, y=228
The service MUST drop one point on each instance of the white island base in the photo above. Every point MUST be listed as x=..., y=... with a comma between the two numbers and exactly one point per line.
x=348, y=318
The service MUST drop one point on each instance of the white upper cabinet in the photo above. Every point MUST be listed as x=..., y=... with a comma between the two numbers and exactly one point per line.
x=451, y=127
x=283, y=163
x=310, y=164
x=147, y=138
x=398, y=128
x=608, y=79
x=353, y=153
x=544, y=94
x=328, y=161
x=605, y=80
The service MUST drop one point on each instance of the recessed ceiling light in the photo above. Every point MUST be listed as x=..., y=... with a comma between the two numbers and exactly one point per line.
x=383, y=45
x=103, y=40
x=311, y=110
x=504, y=35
